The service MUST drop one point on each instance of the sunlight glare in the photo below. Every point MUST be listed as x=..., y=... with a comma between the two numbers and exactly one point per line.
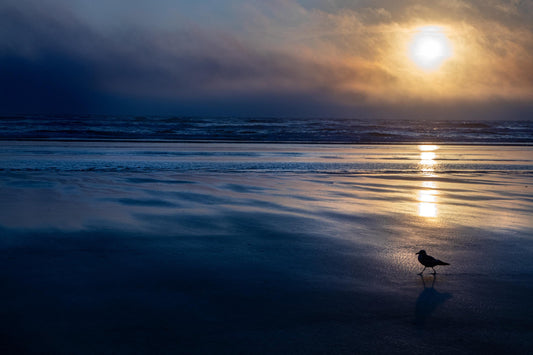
x=428, y=157
x=429, y=184
x=428, y=147
x=427, y=206
x=427, y=196
x=429, y=48
x=427, y=209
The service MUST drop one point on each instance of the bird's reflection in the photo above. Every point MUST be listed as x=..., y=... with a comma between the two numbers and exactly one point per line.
x=428, y=300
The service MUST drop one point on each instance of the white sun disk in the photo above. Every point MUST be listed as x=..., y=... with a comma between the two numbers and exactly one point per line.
x=429, y=48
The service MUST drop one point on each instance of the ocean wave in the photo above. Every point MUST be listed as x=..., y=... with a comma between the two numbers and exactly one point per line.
x=254, y=129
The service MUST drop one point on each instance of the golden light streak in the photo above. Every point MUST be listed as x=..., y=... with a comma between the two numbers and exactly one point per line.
x=427, y=196
x=428, y=147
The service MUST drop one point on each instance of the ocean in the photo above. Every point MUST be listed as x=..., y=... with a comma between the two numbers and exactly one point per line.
x=245, y=129
x=129, y=235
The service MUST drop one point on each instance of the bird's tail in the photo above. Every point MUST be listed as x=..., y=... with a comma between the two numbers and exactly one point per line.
x=442, y=263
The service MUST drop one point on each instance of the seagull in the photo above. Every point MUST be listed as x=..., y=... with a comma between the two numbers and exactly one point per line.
x=428, y=261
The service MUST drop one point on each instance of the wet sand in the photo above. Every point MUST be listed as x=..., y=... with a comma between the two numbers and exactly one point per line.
x=264, y=249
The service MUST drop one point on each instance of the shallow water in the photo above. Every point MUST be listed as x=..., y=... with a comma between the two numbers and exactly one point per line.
x=262, y=248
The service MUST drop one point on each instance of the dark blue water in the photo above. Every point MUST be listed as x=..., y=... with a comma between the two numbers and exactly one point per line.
x=115, y=237
x=308, y=130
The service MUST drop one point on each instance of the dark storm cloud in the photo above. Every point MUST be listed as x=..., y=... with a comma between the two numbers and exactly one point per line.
x=53, y=61
x=37, y=71
x=53, y=82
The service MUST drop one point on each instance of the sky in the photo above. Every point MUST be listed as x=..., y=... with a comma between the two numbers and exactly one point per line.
x=265, y=58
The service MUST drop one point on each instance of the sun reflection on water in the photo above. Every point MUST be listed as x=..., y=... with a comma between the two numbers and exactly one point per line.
x=427, y=147
x=427, y=158
x=427, y=209
x=427, y=196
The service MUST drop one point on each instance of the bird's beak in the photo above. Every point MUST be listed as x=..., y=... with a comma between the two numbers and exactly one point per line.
x=417, y=253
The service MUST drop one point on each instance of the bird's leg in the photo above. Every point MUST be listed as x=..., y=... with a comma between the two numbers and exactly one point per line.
x=434, y=272
x=422, y=271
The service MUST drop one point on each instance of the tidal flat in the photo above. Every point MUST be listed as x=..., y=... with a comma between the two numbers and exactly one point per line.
x=138, y=247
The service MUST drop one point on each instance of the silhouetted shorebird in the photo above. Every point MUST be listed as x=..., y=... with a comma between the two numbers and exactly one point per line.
x=428, y=261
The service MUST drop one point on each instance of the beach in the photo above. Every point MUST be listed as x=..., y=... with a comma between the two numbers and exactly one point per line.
x=144, y=247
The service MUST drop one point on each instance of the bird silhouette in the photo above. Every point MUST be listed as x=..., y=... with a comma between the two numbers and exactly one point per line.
x=428, y=261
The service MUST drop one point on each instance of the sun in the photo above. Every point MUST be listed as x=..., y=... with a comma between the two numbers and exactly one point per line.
x=429, y=48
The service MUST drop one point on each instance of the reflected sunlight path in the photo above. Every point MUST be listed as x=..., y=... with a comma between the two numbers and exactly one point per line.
x=427, y=196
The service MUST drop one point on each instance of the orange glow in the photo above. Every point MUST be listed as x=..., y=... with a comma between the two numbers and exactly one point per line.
x=427, y=196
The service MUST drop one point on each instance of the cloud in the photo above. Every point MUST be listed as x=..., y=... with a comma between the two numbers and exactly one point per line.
x=83, y=66
x=332, y=57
